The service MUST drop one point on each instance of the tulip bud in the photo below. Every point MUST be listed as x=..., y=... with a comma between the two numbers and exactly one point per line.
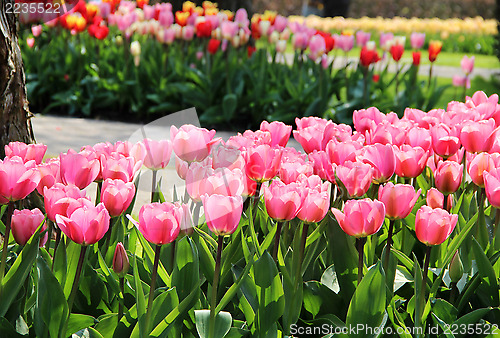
x=456, y=268
x=135, y=48
x=120, y=260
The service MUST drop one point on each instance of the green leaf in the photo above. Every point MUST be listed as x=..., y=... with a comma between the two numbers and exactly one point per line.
x=72, y=255
x=223, y=322
x=7, y=330
x=51, y=306
x=265, y=271
x=486, y=272
x=162, y=273
x=140, y=298
x=185, y=275
x=312, y=298
x=14, y=279
x=368, y=304
x=471, y=318
x=78, y=322
x=229, y=104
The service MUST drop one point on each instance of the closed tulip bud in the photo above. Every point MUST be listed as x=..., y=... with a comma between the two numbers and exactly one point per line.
x=456, y=269
x=157, y=153
x=448, y=176
x=434, y=226
x=467, y=64
x=361, y=218
x=24, y=225
x=121, y=262
x=135, y=48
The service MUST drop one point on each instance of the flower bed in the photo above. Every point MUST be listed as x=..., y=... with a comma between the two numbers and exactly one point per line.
x=133, y=64
x=373, y=229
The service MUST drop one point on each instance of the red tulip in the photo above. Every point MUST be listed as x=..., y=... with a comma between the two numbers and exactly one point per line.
x=25, y=151
x=397, y=51
x=24, y=224
x=213, y=46
x=433, y=226
x=434, y=50
x=223, y=213
x=204, y=29
x=368, y=56
x=159, y=223
x=448, y=176
x=416, y=58
x=398, y=199
x=262, y=162
x=17, y=179
x=117, y=196
x=283, y=201
x=85, y=224
x=361, y=218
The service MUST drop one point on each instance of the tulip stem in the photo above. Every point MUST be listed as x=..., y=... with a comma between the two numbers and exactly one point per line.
x=10, y=211
x=298, y=273
x=453, y=292
x=424, y=282
x=388, y=245
x=56, y=244
x=277, y=241
x=98, y=193
x=153, y=186
x=360, y=244
x=430, y=75
x=74, y=288
x=49, y=235
x=122, y=298
x=154, y=273
x=215, y=284
x=445, y=201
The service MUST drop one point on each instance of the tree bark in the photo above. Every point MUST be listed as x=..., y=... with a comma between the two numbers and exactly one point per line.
x=15, y=124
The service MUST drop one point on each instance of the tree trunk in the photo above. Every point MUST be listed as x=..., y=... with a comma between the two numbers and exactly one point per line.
x=15, y=115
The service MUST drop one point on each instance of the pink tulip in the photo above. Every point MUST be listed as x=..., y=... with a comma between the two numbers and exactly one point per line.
x=30, y=42
x=121, y=262
x=356, y=177
x=292, y=155
x=321, y=165
x=467, y=64
x=336, y=132
x=157, y=153
x=317, y=47
x=460, y=81
x=344, y=42
x=280, y=23
x=340, y=152
x=262, y=162
x=186, y=223
x=361, y=218
x=283, y=201
x=17, y=179
x=224, y=156
x=25, y=151
x=280, y=132
x=478, y=136
x=433, y=226
x=85, y=224
x=398, y=199
x=300, y=41
x=362, y=38
x=241, y=17
x=419, y=137
x=195, y=177
x=49, y=174
x=159, y=223
x=445, y=141
x=118, y=167
x=181, y=167
x=223, y=181
x=410, y=161
x=78, y=169
x=24, y=224
x=366, y=119
x=492, y=186
x=480, y=163
x=36, y=30
x=435, y=199
x=417, y=40
x=192, y=144
x=117, y=195
x=382, y=159
x=315, y=202
x=57, y=192
x=229, y=29
x=188, y=32
x=386, y=133
x=448, y=176
x=223, y=213
x=290, y=171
